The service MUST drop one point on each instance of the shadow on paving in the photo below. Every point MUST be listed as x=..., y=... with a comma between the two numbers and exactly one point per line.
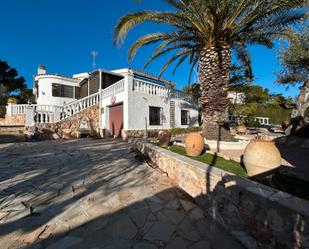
x=295, y=151
x=95, y=194
x=169, y=219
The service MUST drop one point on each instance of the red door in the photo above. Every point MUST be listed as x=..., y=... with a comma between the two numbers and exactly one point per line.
x=115, y=120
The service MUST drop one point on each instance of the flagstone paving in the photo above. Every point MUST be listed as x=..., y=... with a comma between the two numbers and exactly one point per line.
x=95, y=194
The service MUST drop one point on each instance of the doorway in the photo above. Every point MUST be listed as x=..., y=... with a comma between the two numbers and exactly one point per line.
x=116, y=120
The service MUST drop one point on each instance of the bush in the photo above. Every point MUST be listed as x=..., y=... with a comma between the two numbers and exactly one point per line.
x=276, y=114
x=2, y=111
x=178, y=131
x=250, y=122
x=174, y=131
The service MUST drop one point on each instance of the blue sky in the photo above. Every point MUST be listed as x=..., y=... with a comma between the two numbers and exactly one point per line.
x=60, y=34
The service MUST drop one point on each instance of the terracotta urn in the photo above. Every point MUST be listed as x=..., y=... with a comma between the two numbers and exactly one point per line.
x=285, y=124
x=241, y=128
x=164, y=137
x=261, y=156
x=194, y=144
x=12, y=100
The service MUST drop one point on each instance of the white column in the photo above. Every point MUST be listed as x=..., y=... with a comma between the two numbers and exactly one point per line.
x=9, y=110
x=100, y=101
x=128, y=84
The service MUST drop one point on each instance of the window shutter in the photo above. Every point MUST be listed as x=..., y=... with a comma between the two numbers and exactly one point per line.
x=189, y=118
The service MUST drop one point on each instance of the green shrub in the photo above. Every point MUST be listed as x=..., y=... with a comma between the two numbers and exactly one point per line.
x=276, y=114
x=250, y=122
x=153, y=133
x=2, y=111
x=178, y=131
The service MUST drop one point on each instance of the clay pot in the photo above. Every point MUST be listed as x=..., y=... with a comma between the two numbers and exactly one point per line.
x=194, y=144
x=241, y=128
x=285, y=124
x=261, y=156
x=164, y=138
x=11, y=100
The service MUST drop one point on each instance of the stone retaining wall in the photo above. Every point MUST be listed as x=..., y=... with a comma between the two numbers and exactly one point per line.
x=52, y=131
x=13, y=120
x=259, y=216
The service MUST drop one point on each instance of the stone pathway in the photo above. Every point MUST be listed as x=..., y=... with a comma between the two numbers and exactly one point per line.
x=95, y=194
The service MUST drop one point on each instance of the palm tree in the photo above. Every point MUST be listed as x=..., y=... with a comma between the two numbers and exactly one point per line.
x=294, y=59
x=206, y=32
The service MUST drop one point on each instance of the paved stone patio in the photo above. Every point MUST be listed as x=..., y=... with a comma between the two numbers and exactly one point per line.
x=95, y=194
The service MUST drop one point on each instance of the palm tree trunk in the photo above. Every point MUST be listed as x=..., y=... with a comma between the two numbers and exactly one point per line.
x=214, y=76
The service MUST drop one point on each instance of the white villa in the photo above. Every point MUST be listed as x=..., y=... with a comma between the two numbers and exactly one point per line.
x=128, y=100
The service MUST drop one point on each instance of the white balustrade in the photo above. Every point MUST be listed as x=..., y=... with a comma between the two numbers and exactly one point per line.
x=261, y=120
x=147, y=87
x=113, y=89
x=18, y=109
x=81, y=104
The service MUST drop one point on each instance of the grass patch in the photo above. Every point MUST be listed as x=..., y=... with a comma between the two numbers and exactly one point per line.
x=288, y=184
x=279, y=181
x=214, y=160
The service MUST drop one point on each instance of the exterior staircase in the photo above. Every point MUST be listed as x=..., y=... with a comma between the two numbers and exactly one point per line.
x=12, y=134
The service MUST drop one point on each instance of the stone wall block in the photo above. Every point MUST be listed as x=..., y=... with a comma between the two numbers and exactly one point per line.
x=256, y=214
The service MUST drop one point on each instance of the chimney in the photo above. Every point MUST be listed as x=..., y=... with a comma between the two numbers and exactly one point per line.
x=41, y=69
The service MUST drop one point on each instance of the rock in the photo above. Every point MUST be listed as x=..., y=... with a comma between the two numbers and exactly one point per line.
x=55, y=136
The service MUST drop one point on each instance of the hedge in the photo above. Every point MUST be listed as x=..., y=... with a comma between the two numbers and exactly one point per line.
x=2, y=111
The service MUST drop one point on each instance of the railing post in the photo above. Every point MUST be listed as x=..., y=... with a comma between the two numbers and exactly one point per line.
x=9, y=110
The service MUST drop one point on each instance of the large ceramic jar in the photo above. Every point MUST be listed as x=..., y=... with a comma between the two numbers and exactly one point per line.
x=164, y=137
x=261, y=156
x=194, y=144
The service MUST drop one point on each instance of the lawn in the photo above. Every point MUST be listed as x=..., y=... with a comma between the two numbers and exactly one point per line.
x=214, y=160
x=278, y=181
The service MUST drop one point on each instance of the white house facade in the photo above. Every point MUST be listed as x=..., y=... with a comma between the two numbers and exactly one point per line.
x=128, y=100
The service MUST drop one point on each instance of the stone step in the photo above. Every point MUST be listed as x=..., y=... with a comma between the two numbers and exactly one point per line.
x=12, y=134
x=11, y=130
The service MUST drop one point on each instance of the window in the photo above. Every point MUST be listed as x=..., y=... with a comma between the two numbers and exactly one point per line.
x=154, y=115
x=59, y=90
x=77, y=92
x=184, y=117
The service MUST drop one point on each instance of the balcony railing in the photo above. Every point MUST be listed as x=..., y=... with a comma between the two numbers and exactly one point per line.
x=150, y=88
x=147, y=87
x=113, y=89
